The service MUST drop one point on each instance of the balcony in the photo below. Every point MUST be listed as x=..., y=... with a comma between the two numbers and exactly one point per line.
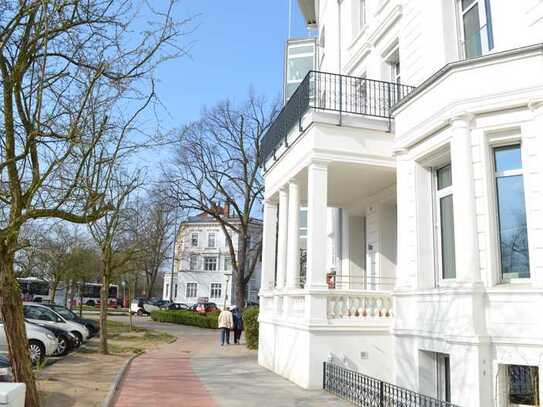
x=329, y=92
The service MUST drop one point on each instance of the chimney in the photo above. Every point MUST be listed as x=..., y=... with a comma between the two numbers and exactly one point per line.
x=226, y=210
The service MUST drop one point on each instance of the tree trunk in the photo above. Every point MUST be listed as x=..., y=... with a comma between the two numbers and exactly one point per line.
x=11, y=307
x=68, y=292
x=129, y=308
x=103, y=311
x=54, y=288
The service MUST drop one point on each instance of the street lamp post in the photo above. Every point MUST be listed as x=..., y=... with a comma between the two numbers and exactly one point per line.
x=228, y=275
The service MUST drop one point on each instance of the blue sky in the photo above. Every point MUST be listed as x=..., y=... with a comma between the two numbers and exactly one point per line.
x=235, y=45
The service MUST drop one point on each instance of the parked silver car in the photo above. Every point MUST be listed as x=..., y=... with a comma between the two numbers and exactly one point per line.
x=41, y=342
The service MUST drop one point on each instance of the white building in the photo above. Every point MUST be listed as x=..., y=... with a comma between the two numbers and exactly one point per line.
x=203, y=265
x=424, y=203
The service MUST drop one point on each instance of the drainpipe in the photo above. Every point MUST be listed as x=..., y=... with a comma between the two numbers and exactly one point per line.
x=339, y=60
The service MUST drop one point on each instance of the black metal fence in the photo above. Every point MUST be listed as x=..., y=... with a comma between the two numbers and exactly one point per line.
x=367, y=391
x=324, y=91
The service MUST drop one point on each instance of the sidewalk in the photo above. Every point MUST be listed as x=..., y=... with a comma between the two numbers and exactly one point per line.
x=195, y=371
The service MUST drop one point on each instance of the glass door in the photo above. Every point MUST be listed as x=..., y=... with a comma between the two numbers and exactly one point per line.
x=443, y=377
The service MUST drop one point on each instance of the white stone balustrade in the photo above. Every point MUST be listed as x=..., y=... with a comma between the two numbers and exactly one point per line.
x=359, y=304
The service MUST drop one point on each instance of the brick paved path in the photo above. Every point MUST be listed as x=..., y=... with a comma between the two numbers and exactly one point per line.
x=163, y=377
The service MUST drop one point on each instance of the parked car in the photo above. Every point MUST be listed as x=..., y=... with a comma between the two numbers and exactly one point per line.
x=177, y=307
x=92, y=326
x=142, y=307
x=42, y=314
x=161, y=303
x=203, y=307
x=5, y=370
x=41, y=342
x=67, y=341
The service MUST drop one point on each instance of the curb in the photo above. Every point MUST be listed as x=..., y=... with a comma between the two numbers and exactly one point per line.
x=108, y=401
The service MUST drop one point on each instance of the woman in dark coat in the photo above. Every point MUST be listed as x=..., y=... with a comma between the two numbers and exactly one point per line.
x=238, y=323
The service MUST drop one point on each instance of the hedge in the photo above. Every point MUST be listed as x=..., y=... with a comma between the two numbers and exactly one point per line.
x=250, y=322
x=207, y=320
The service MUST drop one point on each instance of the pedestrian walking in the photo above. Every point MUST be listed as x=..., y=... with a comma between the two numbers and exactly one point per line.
x=226, y=323
x=238, y=323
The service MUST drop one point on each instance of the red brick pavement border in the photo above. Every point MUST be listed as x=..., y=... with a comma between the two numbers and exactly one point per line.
x=162, y=378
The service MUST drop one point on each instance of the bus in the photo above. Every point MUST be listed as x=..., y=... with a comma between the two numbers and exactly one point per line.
x=89, y=294
x=34, y=289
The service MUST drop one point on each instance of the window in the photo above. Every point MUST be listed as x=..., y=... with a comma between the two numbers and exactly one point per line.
x=210, y=263
x=227, y=263
x=175, y=291
x=395, y=73
x=443, y=368
x=216, y=290
x=167, y=291
x=445, y=222
x=211, y=240
x=194, y=239
x=523, y=385
x=513, y=234
x=362, y=13
x=191, y=290
x=476, y=24
x=193, y=262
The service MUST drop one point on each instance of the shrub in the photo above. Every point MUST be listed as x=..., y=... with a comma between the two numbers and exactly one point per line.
x=207, y=320
x=250, y=322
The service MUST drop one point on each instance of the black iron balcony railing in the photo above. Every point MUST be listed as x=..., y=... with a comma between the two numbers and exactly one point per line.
x=366, y=391
x=323, y=91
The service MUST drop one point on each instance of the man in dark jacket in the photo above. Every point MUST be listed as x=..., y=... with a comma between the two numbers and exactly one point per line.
x=238, y=323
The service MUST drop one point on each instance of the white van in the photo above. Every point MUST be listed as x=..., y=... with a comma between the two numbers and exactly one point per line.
x=41, y=342
x=46, y=316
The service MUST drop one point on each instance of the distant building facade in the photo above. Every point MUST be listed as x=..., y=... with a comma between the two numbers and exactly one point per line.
x=203, y=264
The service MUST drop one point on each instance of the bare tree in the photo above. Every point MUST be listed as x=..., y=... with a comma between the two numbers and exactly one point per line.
x=69, y=72
x=152, y=228
x=114, y=240
x=218, y=161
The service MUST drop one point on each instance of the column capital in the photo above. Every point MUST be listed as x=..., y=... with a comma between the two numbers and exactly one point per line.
x=319, y=163
x=462, y=119
x=536, y=106
x=270, y=202
x=294, y=181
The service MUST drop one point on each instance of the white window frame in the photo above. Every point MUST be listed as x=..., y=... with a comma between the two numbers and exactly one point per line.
x=205, y=263
x=192, y=239
x=438, y=250
x=192, y=285
x=212, y=237
x=213, y=289
x=227, y=260
x=486, y=41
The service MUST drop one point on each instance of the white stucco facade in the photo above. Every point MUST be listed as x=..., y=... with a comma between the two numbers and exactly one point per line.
x=203, y=268
x=409, y=280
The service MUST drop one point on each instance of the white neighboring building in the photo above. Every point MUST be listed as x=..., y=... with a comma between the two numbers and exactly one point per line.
x=203, y=267
x=424, y=203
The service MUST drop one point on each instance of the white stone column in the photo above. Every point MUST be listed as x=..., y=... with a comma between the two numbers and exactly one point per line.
x=317, y=202
x=268, y=246
x=282, y=238
x=464, y=209
x=293, y=249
